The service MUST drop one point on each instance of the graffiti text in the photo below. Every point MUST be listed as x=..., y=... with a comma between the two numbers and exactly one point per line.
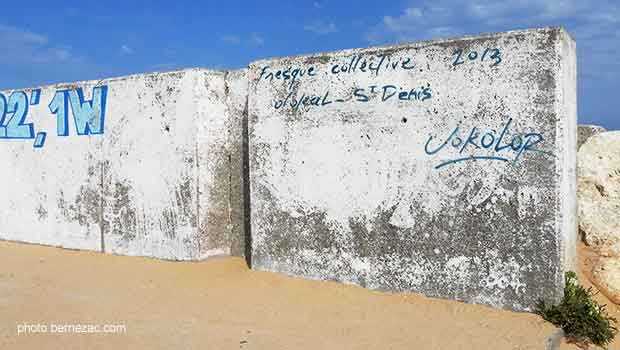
x=499, y=145
x=493, y=55
x=88, y=115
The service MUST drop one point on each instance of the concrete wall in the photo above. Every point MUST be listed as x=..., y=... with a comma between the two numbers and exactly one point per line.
x=443, y=167
x=139, y=165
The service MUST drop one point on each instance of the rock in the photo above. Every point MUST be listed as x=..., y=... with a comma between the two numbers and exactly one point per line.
x=598, y=193
x=606, y=276
x=584, y=132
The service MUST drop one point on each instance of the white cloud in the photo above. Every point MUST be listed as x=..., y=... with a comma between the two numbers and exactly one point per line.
x=443, y=17
x=256, y=40
x=30, y=47
x=16, y=35
x=62, y=54
x=231, y=39
x=594, y=25
x=411, y=16
x=415, y=23
x=317, y=5
x=253, y=39
x=512, y=12
x=321, y=28
x=126, y=49
x=54, y=55
x=442, y=32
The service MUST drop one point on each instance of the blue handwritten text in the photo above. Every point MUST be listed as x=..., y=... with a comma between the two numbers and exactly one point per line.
x=497, y=147
x=494, y=55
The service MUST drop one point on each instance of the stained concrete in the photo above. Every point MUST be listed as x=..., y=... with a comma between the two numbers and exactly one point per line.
x=156, y=183
x=442, y=167
x=51, y=197
x=355, y=186
x=237, y=94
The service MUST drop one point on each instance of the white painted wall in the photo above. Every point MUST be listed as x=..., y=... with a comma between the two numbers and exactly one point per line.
x=49, y=191
x=346, y=191
x=156, y=182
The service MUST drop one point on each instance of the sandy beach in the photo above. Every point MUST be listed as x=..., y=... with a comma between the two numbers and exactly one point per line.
x=221, y=304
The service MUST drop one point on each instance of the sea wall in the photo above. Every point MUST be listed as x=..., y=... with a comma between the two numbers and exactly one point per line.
x=443, y=167
x=138, y=165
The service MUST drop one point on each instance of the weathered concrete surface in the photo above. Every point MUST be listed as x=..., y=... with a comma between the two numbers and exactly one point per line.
x=167, y=177
x=51, y=195
x=237, y=94
x=355, y=185
x=584, y=132
x=598, y=164
x=156, y=182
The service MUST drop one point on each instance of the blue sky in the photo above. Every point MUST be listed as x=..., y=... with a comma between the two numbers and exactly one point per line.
x=51, y=41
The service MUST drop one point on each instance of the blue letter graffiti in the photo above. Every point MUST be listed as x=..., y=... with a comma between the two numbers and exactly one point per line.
x=60, y=107
x=88, y=115
x=17, y=109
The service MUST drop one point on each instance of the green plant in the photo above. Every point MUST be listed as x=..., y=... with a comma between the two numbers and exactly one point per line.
x=581, y=317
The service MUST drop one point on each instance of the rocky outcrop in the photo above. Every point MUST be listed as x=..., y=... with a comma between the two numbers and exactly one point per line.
x=606, y=276
x=598, y=193
x=584, y=132
x=598, y=167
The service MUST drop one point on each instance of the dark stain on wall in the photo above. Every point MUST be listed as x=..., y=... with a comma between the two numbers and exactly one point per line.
x=124, y=217
x=82, y=209
x=41, y=212
x=377, y=241
x=215, y=221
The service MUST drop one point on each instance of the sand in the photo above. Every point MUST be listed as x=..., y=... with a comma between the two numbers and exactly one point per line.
x=220, y=304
